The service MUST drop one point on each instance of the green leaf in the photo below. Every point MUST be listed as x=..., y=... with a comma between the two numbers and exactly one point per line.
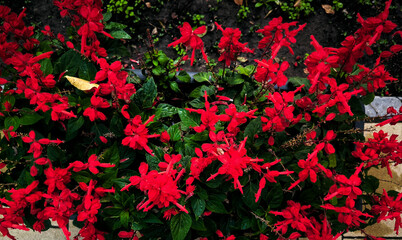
x=87, y=71
x=253, y=128
x=368, y=98
x=249, y=196
x=183, y=77
x=152, y=161
x=200, y=91
x=107, y=16
x=81, y=177
x=69, y=61
x=174, y=132
x=247, y=70
x=146, y=95
x=370, y=184
x=197, y=103
x=187, y=119
x=163, y=59
x=298, y=81
x=125, y=218
x=46, y=66
x=157, y=71
x=198, y=206
x=120, y=34
x=54, y=153
x=73, y=125
x=235, y=80
x=174, y=86
x=30, y=118
x=199, y=225
x=215, y=204
x=257, y=5
x=275, y=196
x=200, y=137
x=115, y=25
x=180, y=225
x=165, y=110
x=202, y=77
x=111, y=155
x=332, y=160
x=12, y=121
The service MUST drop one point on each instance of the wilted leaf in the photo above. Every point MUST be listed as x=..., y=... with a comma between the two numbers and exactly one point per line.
x=239, y=2
x=328, y=9
x=81, y=84
x=242, y=59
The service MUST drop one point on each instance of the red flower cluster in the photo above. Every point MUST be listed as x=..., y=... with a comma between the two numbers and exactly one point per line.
x=271, y=73
x=87, y=15
x=229, y=45
x=191, y=39
x=160, y=187
x=281, y=115
x=380, y=150
x=277, y=35
x=137, y=134
x=389, y=208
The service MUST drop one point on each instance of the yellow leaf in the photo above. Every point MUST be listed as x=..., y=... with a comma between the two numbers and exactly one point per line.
x=297, y=3
x=239, y=2
x=328, y=9
x=81, y=84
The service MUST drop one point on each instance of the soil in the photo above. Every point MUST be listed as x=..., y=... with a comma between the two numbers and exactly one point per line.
x=328, y=29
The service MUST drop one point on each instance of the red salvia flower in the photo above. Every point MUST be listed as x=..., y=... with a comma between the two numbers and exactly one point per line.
x=389, y=208
x=208, y=116
x=294, y=216
x=160, y=187
x=229, y=45
x=348, y=214
x=137, y=134
x=191, y=39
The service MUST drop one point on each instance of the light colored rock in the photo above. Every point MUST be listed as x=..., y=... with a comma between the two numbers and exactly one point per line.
x=51, y=234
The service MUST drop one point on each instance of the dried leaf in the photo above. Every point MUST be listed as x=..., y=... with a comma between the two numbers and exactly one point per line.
x=154, y=31
x=269, y=12
x=239, y=2
x=242, y=59
x=297, y=3
x=81, y=84
x=148, y=4
x=328, y=9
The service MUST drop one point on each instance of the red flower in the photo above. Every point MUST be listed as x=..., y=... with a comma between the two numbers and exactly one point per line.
x=160, y=187
x=92, y=112
x=234, y=160
x=191, y=39
x=165, y=137
x=348, y=214
x=391, y=209
x=36, y=146
x=208, y=116
x=270, y=72
x=137, y=134
x=229, y=45
x=270, y=175
x=294, y=216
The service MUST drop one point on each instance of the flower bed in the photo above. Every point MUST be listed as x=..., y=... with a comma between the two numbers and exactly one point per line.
x=231, y=155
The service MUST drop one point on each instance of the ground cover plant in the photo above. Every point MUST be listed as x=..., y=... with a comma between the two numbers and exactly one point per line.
x=235, y=152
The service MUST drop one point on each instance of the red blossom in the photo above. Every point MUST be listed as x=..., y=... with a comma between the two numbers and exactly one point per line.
x=160, y=187
x=208, y=116
x=190, y=38
x=137, y=134
x=229, y=45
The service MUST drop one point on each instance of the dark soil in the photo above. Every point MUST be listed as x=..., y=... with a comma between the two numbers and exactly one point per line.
x=329, y=30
